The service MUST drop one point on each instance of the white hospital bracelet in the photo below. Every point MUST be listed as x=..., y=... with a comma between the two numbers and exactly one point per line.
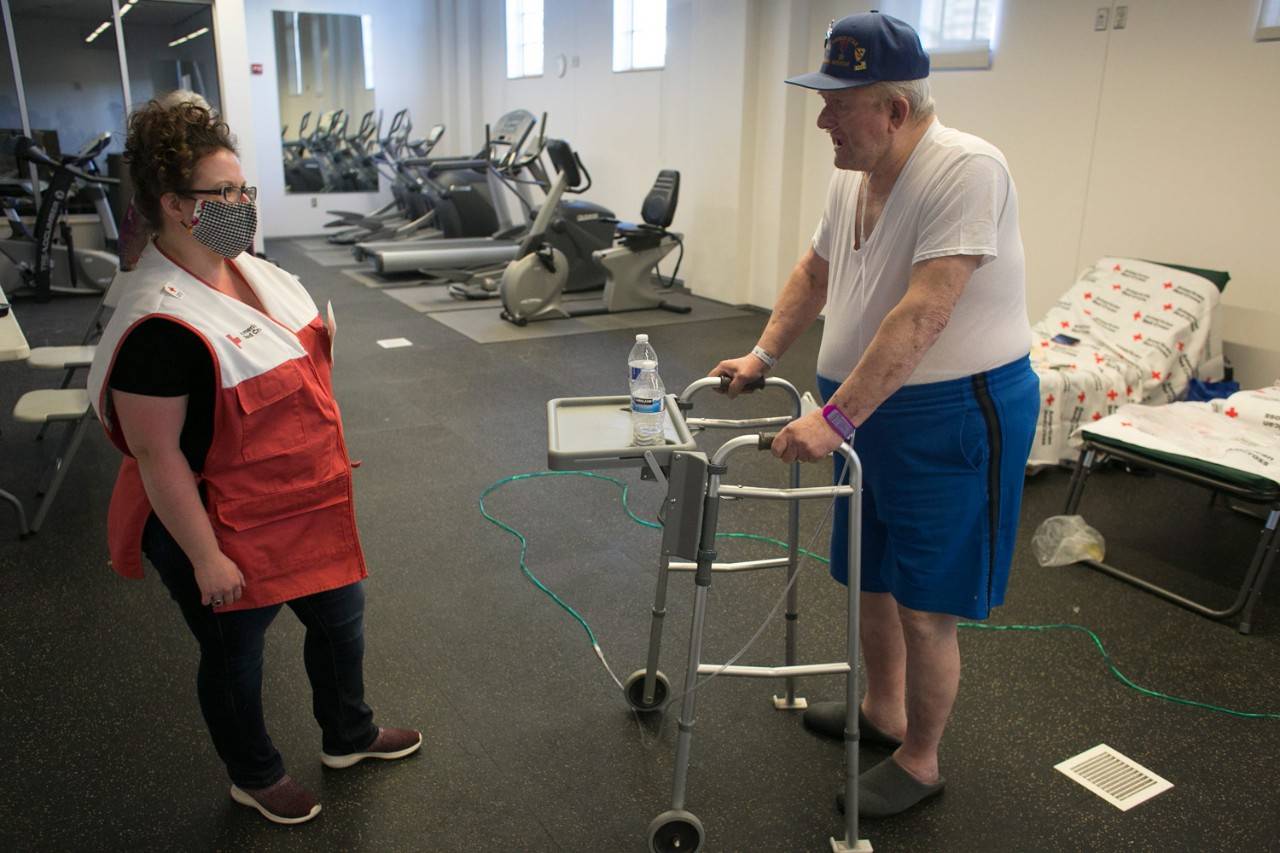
x=769, y=361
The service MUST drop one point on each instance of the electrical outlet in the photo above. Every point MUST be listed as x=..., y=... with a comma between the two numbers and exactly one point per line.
x=1102, y=19
x=1122, y=17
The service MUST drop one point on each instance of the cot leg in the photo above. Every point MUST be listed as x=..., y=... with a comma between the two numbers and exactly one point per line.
x=1268, y=548
x=1084, y=467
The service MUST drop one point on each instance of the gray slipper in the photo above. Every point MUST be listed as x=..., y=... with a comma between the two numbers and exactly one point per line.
x=827, y=719
x=887, y=789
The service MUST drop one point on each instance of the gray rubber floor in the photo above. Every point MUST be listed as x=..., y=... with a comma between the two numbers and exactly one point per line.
x=528, y=744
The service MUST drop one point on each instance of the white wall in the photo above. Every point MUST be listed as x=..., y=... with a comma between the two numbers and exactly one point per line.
x=237, y=93
x=628, y=126
x=1185, y=164
x=402, y=36
x=1154, y=141
x=1120, y=142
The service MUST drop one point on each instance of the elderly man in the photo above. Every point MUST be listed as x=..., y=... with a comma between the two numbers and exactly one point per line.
x=924, y=355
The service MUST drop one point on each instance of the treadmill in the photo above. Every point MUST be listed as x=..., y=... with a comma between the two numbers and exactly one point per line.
x=511, y=151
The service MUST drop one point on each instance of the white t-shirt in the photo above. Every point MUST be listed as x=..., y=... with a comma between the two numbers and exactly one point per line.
x=954, y=196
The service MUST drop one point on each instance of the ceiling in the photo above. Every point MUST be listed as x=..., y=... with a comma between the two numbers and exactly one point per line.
x=90, y=13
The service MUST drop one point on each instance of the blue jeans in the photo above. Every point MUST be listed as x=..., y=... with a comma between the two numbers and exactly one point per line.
x=229, y=678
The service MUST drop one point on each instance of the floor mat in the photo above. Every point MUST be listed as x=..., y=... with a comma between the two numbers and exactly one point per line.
x=411, y=290
x=487, y=327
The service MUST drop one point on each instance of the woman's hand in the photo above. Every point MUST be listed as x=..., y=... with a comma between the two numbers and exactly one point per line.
x=220, y=580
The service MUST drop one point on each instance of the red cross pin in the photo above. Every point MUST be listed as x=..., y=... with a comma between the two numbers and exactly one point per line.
x=1126, y=423
x=1168, y=285
x=1155, y=374
x=1115, y=287
x=1128, y=390
x=1044, y=343
x=1098, y=358
x=1097, y=416
x=1088, y=294
x=1181, y=346
x=1111, y=395
x=1137, y=336
x=1088, y=313
x=1168, y=306
x=1231, y=412
x=1116, y=268
x=1048, y=401
x=1080, y=396
x=1065, y=324
x=1137, y=315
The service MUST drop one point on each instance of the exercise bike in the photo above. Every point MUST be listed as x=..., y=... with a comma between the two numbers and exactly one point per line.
x=28, y=259
x=533, y=287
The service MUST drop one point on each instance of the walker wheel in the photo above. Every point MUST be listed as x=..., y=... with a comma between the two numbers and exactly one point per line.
x=676, y=831
x=634, y=687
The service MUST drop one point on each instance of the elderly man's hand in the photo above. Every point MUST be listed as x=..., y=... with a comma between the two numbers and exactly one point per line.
x=742, y=371
x=807, y=439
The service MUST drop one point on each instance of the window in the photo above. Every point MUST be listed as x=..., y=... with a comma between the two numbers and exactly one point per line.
x=639, y=34
x=524, y=38
x=366, y=38
x=957, y=33
x=1268, y=21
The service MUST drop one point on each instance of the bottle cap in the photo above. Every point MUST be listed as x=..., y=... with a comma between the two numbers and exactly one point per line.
x=642, y=338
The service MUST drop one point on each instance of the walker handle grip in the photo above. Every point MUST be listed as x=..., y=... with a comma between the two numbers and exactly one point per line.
x=766, y=440
x=753, y=385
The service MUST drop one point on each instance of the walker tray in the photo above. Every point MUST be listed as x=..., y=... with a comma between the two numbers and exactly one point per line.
x=595, y=432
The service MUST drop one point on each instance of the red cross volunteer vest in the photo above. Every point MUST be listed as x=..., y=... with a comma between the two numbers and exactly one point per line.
x=277, y=478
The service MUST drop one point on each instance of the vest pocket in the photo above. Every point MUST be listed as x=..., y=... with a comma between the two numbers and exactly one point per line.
x=270, y=534
x=271, y=408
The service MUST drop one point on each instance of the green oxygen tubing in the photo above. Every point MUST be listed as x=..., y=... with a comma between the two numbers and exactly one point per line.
x=595, y=644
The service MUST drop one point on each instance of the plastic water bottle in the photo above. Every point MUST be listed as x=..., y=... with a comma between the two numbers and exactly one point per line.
x=642, y=351
x=648, y=403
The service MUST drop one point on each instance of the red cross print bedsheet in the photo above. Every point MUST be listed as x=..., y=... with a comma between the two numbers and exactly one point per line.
x=1128, y=331
x=1241, y=432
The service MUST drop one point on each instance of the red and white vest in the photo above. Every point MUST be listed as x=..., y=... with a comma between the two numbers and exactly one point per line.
x=277, y=477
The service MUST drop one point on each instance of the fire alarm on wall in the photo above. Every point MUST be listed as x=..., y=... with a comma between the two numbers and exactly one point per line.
x=255, y=68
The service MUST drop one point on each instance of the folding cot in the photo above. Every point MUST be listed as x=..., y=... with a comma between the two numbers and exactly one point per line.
x=1128, y=331
x=1231, y=447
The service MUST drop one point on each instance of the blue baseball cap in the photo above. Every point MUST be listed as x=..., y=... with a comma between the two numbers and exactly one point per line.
x=867, y=48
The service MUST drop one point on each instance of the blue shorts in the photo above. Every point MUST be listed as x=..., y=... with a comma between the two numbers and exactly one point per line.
x=943, y=465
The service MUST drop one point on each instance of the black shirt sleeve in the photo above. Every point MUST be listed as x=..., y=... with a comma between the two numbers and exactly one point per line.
x=161, y=358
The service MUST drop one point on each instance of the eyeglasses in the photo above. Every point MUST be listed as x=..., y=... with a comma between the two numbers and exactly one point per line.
x=231, y=195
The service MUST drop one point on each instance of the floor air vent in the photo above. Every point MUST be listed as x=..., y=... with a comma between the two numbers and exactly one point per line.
x=1119, y=780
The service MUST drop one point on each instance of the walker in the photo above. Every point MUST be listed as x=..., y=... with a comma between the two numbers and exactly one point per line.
x=595, y=433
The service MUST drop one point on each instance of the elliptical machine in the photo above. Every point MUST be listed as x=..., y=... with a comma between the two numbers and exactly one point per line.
x=577, y=228
x=27, y=260
x=533, y=287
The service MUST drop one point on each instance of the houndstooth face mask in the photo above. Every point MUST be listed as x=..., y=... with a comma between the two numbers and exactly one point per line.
x=227, y=229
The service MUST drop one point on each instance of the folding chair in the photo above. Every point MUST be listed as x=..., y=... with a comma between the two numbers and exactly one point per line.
x=69, y=406
x=73, y=357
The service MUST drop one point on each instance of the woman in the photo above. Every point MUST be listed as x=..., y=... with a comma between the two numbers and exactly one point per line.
x=213, y=377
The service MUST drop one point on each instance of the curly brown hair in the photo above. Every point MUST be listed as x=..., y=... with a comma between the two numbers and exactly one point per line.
x=165, y=143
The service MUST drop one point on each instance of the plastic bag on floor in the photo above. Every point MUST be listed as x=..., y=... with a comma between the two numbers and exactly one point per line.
x=1061, y=540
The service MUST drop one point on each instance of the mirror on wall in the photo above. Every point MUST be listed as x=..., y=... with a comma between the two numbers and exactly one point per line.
x=328, y=123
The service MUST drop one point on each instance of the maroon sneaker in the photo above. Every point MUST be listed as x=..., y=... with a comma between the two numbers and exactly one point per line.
x=389, y=744
x=284, y=802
